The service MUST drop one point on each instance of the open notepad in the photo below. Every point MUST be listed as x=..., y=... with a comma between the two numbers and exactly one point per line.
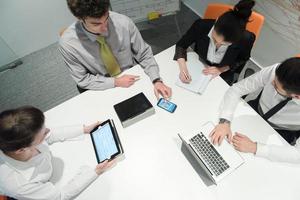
x=199, y=80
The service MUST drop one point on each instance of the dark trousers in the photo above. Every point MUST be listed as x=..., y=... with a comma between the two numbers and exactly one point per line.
x=289, y=136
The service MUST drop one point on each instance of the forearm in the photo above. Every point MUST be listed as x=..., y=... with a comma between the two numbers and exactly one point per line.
x=151, y=68
x=37, y=190
x=229, y=104
x=79, y=182
x=186, y=40
x=94, y=82
x=289, y=154
x=246, y=86
x=143, y=54
x=180, y=53
x=61, y=134
x=182, y=64
x=224, y=69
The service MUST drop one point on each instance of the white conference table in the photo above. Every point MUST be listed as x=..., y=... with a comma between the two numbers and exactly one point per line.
x=154, y=165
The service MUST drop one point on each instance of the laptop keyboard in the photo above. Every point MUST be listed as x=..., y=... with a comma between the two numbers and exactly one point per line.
x=210, y=155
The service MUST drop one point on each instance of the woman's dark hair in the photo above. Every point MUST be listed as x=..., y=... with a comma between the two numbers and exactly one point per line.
x=232, y=24
x=88, y=8
x=288, y=74
x=18, y=127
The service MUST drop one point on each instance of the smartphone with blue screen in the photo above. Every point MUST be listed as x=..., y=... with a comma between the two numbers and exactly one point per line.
x=166, y=105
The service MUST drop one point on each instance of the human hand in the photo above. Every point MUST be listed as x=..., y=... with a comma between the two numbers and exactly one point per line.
x=88, y=128
x=161, y=89
x=220, y=132
x=126, y=80
x=102, y=167
x=184, y=76
x=214, y=71
x=243, y=143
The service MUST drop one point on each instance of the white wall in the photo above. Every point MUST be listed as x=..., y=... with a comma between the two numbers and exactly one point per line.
x=6, y=54
x=29, y=25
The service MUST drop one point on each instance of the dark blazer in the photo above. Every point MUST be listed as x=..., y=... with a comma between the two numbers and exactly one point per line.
x=236, y=55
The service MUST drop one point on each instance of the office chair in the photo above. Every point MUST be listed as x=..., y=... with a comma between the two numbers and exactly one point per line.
x=248, y=72
x=3, y=197
x=6, y=198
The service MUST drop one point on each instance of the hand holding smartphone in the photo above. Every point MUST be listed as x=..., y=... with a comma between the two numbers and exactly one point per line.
x=166, y=105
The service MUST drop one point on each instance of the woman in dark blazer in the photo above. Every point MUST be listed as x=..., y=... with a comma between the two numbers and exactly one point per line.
x=224, y=45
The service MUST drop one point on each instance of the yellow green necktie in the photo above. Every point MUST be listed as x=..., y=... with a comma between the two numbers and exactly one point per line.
x=109, y=60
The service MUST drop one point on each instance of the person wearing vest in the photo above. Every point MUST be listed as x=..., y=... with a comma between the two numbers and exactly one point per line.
x=278, y=103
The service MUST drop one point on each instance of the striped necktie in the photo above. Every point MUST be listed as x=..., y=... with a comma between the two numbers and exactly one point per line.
x=111, y=64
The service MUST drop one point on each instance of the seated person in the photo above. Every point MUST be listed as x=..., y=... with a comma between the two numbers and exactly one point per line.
x=224, y=45
x=26, y=160
x=278, y=104
x=102, y=44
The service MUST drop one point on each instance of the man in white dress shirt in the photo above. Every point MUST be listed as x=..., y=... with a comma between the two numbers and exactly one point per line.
x=26, y=160
x=278, y=104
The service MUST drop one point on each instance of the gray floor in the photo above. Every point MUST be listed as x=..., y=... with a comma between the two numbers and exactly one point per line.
x=43, y=80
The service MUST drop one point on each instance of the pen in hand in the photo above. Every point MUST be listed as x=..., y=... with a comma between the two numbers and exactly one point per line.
x=186, y=76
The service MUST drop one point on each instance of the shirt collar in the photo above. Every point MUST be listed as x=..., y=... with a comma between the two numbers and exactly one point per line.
x=92, y=36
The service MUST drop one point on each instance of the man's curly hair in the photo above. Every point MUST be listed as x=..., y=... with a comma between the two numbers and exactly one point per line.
x=88, y=8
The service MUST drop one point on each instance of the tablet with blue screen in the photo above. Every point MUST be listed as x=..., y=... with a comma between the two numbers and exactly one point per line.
x=106, y=141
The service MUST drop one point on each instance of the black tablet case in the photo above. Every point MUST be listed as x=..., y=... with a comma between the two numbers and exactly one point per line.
x=134, y=109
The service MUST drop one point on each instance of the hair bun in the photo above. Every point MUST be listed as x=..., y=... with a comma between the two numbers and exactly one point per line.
x=243, y=9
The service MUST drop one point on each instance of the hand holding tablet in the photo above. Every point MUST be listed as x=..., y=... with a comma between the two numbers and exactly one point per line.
x=102, y=167
x=106, y=141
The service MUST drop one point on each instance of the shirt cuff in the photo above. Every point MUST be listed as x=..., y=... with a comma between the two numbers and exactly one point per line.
x=153, y=74
x=262, y=150
x=110, y=82
x=180, y=53
x=73, y=131
x=226, y=115
x=85, y=176
x=89, y=174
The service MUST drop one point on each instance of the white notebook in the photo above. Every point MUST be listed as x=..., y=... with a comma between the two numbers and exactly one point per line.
x=199, y=80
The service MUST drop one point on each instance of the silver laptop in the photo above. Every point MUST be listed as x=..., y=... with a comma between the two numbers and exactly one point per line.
x=216, y=161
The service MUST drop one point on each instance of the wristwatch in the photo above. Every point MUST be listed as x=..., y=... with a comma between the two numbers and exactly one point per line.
x=157, y=80
x=223, y=121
